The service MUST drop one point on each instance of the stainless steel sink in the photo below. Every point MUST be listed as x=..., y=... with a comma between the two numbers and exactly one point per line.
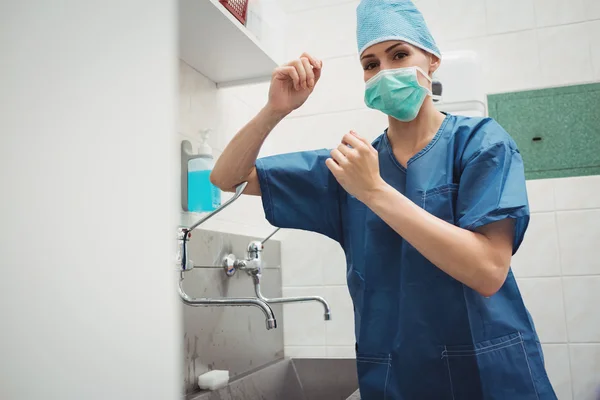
x=291, y=379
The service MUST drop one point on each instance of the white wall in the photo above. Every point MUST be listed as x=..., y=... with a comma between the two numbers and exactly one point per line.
x=87, y=296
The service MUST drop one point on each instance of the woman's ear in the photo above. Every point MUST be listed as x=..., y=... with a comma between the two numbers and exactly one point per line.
x=434, y=64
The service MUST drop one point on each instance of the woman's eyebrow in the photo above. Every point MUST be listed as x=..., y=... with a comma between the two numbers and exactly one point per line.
x=392, y=47
x=367, y=56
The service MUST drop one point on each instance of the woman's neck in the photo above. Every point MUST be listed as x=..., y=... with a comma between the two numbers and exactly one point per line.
x=408, y=138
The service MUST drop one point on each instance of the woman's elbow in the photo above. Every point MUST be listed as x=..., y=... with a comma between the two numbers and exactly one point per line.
x=217, y=180
x=493, y=281
x=214, y=179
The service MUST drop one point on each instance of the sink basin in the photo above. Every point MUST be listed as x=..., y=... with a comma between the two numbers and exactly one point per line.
x=291, y=379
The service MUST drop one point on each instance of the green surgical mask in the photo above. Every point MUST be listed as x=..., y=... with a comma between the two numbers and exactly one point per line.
x=397, y=93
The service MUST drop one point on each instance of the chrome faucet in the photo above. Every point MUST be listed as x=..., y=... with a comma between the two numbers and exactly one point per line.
x=185, y=264
x=253, y=265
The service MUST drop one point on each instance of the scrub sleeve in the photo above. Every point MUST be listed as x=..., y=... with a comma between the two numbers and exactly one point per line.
x=492, y=188
x=299, y=192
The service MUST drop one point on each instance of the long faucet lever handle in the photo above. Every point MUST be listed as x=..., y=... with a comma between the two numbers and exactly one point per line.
x=270, y=236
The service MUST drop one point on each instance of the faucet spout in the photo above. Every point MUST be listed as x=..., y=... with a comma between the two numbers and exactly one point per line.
x=283, y=300
x=195, y=302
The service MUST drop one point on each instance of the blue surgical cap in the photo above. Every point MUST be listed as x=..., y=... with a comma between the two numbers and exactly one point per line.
x=382, y=20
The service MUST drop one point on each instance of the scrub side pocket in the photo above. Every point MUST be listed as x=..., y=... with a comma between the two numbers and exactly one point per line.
x=374, y=374
x=501, y=364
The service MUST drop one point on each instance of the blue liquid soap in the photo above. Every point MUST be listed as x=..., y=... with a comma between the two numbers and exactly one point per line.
x=203, y=196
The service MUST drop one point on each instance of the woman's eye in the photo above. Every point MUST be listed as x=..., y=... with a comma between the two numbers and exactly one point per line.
x=370, y=66
x=399, y=56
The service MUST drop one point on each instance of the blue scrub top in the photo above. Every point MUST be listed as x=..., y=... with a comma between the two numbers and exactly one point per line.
x=420, y=333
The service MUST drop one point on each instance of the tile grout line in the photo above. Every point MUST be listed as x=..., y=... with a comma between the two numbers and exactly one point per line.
x=541, y=71
x=593, y=65
x=317, y=114
x=562, y=289
x=320, y=7
x=565, y=210
x=535, y=28
x=557, y=276
x=570, y=344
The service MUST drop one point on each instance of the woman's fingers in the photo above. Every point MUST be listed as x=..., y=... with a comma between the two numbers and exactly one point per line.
x=353, y=140
x=317, y=65
x=307, y=71
x=358, y=142
x=289, y=72
x=335, y=169
x=299, y=66
x=314, y=62
x=367, y=143
x=338, y=157
x=310, y=75
x=345, y=150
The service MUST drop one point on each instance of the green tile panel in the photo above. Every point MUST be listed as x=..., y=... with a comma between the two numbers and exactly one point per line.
x=557, y=130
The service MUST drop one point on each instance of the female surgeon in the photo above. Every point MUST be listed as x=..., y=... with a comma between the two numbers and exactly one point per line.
x=428, y=215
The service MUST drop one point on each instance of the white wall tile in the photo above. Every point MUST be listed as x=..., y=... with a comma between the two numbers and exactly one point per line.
x=197, y=105
x=577, y=193
x=460, y=19
x=585, y=366
x=308, y=133
x=323, y=33
x=301, y=258
x=541, y=195
x=303, y=323
x=582, y=297
x=593, y=35
x=292, y=6
x=340, y=88
x=247, y=210
x=254, y=95
x=341, y=352
x=592, y=9
x=579, y=236
x=538, y=255
x=325, y=130
x=335, y=273
x=368, y=122
x=557, y=361
x=510, y=61
x=334, y=264
x=574, y=64
x=543, y=298
x=232, y=114
x=340, y=330
x=234, y=227
x=559, y=12
x=434, y=18
x=509, y=15
x=305, y=351
x=202, y=105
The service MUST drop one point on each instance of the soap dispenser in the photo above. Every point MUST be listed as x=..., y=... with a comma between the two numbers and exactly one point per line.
x=203, y=196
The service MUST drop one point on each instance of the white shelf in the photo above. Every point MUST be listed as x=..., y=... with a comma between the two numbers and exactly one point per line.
x=215, y=43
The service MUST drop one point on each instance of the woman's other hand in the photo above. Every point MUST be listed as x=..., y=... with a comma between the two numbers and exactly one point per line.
x=355, y=165
x=292, y=84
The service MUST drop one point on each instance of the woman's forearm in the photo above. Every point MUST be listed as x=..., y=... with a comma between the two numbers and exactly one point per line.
x=470, y=257
x=237, y=161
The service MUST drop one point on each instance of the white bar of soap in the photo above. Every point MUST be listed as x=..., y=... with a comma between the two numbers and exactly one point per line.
x=213, y=380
